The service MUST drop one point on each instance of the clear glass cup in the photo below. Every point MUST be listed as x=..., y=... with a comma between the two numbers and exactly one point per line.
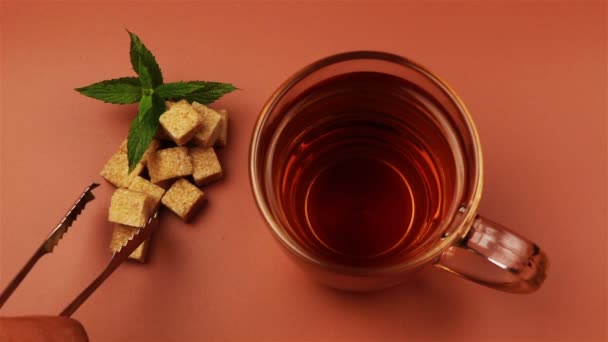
x=463, y=243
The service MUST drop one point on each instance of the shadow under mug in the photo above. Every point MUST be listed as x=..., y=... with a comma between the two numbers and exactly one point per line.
x=382, y=103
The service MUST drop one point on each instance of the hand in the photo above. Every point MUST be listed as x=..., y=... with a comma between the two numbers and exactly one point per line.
x=41, y=329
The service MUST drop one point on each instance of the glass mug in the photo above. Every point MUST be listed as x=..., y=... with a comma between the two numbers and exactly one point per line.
x=366, y=166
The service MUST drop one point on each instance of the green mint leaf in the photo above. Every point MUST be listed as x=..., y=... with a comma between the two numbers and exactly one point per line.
x=144, y=77
x=178, y=89
x=209, y=92
x=122, y=90
x=143, y=128
x=140, y=52
x=136, y=142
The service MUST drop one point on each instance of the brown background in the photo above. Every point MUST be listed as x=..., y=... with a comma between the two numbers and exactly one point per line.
x=532, y=73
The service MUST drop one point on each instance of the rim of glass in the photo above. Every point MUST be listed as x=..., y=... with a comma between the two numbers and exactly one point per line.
x=282, y=236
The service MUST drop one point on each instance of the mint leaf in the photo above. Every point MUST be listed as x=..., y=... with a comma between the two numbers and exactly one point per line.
x=209, y=92
x=122, y=90
x=145, y=78
x=178, y=89
x=140, y=52
x=143, y=128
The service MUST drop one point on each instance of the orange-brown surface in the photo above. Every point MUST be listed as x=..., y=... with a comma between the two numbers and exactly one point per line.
x=533, y=74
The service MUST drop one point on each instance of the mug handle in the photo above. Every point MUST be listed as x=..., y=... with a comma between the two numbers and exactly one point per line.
x=492, y=255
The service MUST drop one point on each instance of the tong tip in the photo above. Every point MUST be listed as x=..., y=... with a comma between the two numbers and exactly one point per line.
x=69, y=218
x=137, y=236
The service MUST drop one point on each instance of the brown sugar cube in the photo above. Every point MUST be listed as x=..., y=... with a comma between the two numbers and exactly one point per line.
x=183, y=198
x=160, y=132
x=169, y=104
x=143, y=185
x=181, y=122
x=121, y=235
x=206, y=167
x=222, y=137
x=132, y=208
x=116, y=170
x=169, y=163
x=140, y=254
x=207, y=135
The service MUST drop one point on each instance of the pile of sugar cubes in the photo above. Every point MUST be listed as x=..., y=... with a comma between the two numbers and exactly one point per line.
x=177, y=163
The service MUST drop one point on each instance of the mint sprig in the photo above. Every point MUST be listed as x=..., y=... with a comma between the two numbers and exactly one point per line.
x=149, y=90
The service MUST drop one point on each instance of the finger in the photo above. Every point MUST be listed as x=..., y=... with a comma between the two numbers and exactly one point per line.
x=41, y=328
